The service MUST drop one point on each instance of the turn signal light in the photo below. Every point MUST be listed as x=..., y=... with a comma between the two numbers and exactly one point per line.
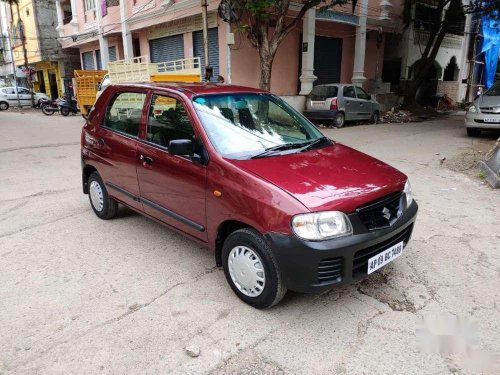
x=333, y=104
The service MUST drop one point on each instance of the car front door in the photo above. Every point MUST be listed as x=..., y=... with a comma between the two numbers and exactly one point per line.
x=365, y=104
x=172, y=186
x=115, y=145
x=350, y=103
x=24, y=96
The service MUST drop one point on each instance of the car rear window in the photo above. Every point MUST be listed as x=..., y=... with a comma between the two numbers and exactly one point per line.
x=124, y=114
x=323, y=92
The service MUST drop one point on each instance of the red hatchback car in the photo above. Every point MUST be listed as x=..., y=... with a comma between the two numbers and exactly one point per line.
x=240, y=171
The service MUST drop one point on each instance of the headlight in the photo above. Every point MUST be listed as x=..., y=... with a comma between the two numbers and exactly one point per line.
x=472, y=109
x=321, y=225
x=408, y=193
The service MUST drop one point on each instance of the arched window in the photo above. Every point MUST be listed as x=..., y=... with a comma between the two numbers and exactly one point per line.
x=451, y=70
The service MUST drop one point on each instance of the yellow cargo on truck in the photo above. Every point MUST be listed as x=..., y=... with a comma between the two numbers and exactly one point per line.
x=86, y=82
x=139, y=69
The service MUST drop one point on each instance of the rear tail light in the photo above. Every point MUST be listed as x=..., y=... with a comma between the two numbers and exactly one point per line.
x=333, y=104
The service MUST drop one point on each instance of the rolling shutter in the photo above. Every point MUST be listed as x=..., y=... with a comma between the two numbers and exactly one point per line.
x=88, y=60
x=327, y=59
x=112, y=53
x=167, y=49
x=98, y=59
x=213, y=50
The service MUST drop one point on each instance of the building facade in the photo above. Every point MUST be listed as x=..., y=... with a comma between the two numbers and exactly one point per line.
x=51, y=65
x=327, y=47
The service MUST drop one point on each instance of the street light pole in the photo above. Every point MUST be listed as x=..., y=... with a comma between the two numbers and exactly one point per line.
x=208, y=68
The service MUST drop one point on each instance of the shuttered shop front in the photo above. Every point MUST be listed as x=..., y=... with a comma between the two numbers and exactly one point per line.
x=167, y=48
x=88, y=60
x=213, y=50
x=112, y=53
x=327, y=59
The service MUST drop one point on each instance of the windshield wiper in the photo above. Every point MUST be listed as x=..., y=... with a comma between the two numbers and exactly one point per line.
x=314, y=143
x=271, y=150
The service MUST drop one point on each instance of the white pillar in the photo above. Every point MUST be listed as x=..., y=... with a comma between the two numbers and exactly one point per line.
x=74, y=17
x=358, y=75
x=408, y=45
x=463, y=65
x=59, y=13
x=308, y=34
x=103, y=41
x=128, y=49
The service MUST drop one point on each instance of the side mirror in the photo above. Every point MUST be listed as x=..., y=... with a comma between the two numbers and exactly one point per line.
x=181, y=147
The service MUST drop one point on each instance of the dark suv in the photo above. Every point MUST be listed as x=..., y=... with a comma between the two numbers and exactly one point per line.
x=238, y=170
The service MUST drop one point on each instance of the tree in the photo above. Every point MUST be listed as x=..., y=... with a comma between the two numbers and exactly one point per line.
x=22, y=35
x=438, y=27
x=268, y=22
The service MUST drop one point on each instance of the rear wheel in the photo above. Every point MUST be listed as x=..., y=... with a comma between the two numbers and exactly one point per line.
x=251, y=270
x=4, y=106
x=65, y=111
x=473, y=132
x=340, y=120
x=103, y=205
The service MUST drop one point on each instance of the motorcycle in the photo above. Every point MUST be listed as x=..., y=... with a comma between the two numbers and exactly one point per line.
x=64, y=106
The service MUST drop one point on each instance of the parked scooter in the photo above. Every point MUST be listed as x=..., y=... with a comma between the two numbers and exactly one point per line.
x=49, y=107
x=68, y=106
x=65, y=107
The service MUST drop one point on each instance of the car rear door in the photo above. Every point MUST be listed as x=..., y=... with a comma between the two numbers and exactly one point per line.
x=349, y=103
x=172, y=186
x=365, y=105
x=115, y=145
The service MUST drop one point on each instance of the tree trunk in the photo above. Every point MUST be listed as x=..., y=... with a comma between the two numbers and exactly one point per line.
x=266, y=67
x=25, y=55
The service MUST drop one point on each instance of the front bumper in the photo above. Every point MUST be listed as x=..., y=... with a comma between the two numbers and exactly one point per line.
x=478, y=120
x=304, y=264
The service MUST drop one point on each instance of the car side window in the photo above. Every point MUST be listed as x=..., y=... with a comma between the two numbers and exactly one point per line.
x=349, y=92
x=168, y=120
x=24, y=91
x=124, y=113
x=362, y=93
x=10, y=91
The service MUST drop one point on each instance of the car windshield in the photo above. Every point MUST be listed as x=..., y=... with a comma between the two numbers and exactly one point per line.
x=494, y=90
x=242, y=126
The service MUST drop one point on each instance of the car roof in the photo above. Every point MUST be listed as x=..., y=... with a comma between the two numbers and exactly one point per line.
x=193, y=89
x=335, y=84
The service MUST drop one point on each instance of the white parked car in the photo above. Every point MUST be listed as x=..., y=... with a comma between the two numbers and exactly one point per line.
x=8, y=97
x=484, y=113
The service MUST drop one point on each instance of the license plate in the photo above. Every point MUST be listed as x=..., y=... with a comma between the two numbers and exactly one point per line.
x=492, y=119
x=386, y=256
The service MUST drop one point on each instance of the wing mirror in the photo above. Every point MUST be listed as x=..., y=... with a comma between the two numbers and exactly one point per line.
x=181, y=147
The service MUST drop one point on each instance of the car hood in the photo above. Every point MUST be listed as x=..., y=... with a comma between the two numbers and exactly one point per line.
x=335, y=177
x=487, y=101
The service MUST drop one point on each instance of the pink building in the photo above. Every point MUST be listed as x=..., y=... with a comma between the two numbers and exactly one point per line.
x=329, y=46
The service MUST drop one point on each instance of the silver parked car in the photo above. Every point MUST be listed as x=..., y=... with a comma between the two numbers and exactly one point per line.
x=484, y=113
x=8, y=97
x=339, y=103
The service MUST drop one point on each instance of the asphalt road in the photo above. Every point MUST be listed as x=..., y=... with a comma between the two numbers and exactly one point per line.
x=81, y=295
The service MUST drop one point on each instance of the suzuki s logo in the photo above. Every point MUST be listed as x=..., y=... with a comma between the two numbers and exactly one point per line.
x=386, y=213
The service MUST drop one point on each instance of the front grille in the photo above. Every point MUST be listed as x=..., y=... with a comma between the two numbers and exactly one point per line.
x=381, y=213
x=360, y=261
x=330, y=270
x=494, y=110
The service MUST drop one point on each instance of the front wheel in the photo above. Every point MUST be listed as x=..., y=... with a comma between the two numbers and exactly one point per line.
x=340, y=120
x=47, y=110
x=103, y=205
x=65, y=111
x=4, y=106
x=251, y=270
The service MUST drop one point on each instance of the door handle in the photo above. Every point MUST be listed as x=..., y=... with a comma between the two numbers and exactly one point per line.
x=146, y=159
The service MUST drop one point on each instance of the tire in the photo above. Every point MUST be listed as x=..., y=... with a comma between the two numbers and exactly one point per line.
x=473, y=132
x=248, y=245
x=339, y=120
x=103, y=205
x=375, y=117
x=65, y=111
x=4, y=106
x=47, y=110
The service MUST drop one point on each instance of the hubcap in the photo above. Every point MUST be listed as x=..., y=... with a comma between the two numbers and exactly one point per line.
x=3, y=106
x=247, y=271
x=340, y=120
x=96, y=195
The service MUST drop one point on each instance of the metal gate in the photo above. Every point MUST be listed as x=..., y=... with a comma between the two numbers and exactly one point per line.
x=112, y=53
x=327, y=59
x=88, y=60
x=213, y=50
x=167, y=49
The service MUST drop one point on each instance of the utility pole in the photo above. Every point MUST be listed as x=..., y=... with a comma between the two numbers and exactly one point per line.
x=208, y=68
x=25, y=54
x=472, y=61
x=13, y=61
